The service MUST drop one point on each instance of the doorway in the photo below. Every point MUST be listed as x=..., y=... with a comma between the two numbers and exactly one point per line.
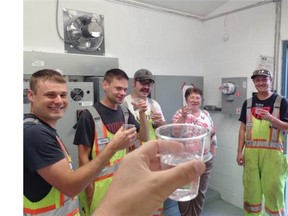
x=284, y=92
x=284, y=83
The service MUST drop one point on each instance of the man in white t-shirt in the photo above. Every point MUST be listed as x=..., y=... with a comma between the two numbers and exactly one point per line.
x=142, y=85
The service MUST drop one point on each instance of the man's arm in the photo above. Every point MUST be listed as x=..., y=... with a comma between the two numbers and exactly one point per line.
x=72, y=182
x=143, y=134
x=241, y=142
x=280, y=125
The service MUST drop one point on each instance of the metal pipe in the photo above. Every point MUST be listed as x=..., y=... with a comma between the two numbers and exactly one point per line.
x=276, y=44
x=237, y=10
x=175, y=12
x=154, y=8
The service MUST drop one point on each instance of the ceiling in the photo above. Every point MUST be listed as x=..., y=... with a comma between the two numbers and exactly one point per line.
x=199, y=8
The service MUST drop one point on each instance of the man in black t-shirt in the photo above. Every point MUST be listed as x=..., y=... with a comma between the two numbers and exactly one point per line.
x=264, y=124
x=50, y=184
x=98, y=128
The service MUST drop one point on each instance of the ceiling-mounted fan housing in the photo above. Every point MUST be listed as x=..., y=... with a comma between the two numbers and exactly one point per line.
x=83, y=32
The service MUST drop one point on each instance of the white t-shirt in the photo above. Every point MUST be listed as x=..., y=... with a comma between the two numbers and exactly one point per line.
x=150, y=102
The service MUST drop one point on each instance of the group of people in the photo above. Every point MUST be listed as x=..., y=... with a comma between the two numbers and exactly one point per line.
x=53, y=187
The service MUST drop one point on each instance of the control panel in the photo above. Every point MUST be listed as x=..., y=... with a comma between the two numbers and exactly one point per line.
x=234, y=93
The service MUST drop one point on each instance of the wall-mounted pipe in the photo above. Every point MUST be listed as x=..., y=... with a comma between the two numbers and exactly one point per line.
x=180, y=13
x=154, y=8
x=276, y=44
x=237, y=10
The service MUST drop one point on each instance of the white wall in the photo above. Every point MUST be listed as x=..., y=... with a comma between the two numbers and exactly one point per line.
x=251, y=33
x=174, y=45
x=165, y=44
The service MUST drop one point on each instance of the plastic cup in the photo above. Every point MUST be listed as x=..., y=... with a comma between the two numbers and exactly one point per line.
x=128, y=126
x=132, y=144
x=135, y=103
x=192, y=141
x=153, y=109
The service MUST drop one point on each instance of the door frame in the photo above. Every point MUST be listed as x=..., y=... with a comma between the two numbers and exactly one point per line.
x=284, y=92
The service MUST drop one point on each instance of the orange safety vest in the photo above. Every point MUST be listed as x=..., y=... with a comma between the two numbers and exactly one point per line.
x=101, y=138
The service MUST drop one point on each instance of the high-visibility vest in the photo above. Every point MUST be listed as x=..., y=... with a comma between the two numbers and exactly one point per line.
x=55, y=202
x=101, y=138
x=261, y=133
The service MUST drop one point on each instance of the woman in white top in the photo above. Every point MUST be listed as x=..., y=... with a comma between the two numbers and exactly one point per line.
x=191, y=113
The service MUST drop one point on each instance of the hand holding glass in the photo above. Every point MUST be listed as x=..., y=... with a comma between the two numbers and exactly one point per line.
x=127, y=127
x=189, y=107
x=192, y=141
x=135, y=103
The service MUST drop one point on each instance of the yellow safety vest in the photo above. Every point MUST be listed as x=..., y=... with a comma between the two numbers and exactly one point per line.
x=55, y=202
x=101, y=138
x=261, y=133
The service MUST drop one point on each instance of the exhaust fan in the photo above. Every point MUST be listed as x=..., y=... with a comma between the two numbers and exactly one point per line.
x=83, y=32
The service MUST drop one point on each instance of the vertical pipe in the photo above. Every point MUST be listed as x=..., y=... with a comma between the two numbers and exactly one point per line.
x=276, y=44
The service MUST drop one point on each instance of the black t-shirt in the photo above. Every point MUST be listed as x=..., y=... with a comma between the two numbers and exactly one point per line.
x=41, y=149
x=112, y=119
x=265, y=104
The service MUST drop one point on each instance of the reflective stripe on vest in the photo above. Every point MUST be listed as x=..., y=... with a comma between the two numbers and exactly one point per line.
x=270, y=145
x=276, y=113
x=70, y=207
x=55, y=202
x=102, y=139
x=31, y=121
x=253, y=208
x=248, y=119
x=273, y=141
x=275, y=213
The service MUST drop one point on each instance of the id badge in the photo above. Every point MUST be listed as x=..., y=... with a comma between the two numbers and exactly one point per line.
x=103, y=141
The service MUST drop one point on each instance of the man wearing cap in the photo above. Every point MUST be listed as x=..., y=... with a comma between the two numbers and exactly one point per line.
x=142, y=85
x=261, y=150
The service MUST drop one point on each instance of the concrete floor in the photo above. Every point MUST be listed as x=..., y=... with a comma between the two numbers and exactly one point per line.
x=214, y=206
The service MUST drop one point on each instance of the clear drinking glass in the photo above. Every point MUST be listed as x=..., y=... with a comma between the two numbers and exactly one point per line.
x=135, y=103
x=192, y=141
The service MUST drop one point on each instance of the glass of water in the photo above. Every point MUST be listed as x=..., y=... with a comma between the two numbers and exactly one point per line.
x=136, y=103
x=192, y=141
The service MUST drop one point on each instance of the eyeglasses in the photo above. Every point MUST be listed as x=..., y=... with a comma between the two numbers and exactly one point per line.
x=146, y=82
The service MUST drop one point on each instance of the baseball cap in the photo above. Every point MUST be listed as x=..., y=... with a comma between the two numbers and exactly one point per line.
x=261, y=72
x=143, y=74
